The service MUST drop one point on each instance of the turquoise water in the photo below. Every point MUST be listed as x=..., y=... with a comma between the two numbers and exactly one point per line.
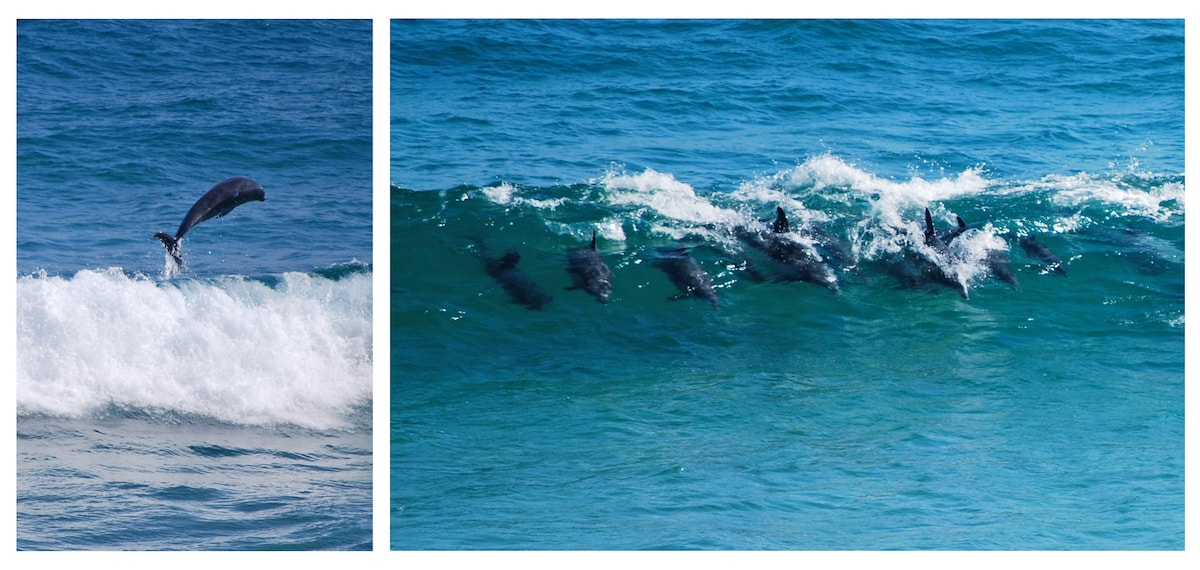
x=1039, y=411
x=226, y=405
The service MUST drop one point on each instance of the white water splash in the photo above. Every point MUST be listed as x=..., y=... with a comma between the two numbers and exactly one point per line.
x=1159, y=203
x=233, y=349
x=665, y=195
x=506, y=194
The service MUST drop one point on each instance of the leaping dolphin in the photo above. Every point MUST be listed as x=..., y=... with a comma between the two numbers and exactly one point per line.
x=218, y=201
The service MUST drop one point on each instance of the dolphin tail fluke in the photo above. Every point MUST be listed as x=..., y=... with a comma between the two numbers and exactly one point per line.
x=172, y=245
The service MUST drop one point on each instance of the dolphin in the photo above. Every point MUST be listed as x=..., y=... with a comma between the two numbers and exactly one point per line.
x=688, y=276
x=1040, y=252
x=515, y=282
x=949, y=235
x=942, y=250
x=997, y=263
x=796, y=261
x=589, y=272
x=996, y=259
x=218, y=201
x=932, y=239
x=910, y=274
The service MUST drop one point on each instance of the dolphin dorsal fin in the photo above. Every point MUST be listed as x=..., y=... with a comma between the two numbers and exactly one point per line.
x=593, y=240
x=961, y=224
x=781, y=225
x=929, y=234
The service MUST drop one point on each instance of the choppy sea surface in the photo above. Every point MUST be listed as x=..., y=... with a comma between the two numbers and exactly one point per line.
x=225, y=405
x=851, y=383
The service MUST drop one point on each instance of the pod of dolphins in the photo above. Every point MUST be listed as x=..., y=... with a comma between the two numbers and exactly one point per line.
x=790, y=258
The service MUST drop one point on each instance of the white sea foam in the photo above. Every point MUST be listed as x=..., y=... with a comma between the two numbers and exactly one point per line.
x=767, y=191
x=506, y=194
x=500, y=194
x=825, y=172
x=1159, y=203
x=665, y=195
x=234, y=349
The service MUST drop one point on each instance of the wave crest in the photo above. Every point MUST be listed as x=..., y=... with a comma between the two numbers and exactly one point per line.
x=295, y=350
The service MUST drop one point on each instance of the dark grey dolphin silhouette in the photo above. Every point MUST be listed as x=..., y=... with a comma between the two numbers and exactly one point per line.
x=515, y=282
x=218, y=201
x=794, y=261
x=686, y=273
x=1040, y=252
x=589, y=272
x=935, y=267
x=519, y=286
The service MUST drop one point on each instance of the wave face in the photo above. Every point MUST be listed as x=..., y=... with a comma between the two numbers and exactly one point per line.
x=293, y=348
x=858, y=226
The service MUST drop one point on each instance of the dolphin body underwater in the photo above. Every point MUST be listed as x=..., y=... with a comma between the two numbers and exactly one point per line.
x=996, y=259
x=519, y=286
x=218, y=201
x=686, y=274
x=589, y=271
x=1037, y=250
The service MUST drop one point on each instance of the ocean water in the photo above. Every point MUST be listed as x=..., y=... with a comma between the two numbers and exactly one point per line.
x=854, y=384
x=225, y=405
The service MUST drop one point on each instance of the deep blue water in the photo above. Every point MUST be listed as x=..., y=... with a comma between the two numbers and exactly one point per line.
x=226, y=405
x=966, y=397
